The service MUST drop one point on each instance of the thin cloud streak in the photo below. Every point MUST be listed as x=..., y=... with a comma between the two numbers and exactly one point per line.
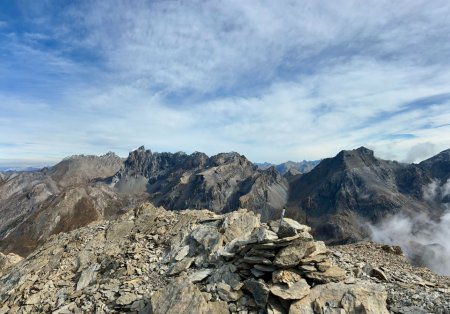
x=291, y=81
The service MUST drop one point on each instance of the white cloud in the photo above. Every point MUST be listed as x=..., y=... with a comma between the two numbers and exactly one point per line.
x=423, y=240
x=291, y=81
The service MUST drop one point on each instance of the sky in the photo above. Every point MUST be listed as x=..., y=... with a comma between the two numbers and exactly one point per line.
x=273, y=80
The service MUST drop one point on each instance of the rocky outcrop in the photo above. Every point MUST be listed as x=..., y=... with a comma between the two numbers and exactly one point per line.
x=220, y=183
x=438, y=166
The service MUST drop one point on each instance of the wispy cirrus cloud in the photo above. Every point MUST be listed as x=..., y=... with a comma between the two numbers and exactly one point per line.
x=275, y=81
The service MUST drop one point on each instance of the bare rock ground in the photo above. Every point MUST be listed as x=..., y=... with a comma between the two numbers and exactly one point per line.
x=151, y=260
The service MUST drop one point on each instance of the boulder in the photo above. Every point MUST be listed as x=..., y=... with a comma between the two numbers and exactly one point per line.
x=182, y=296
x=208, y=237
x=332, y=274
x=368, y=298
x=288, y=228
x=263, y=235
x=87, y=276
x=226, y=293
x=292, y=291
x=239, y=224
x=292, y=255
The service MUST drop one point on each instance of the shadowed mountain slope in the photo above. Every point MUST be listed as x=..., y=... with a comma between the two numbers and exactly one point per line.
x=342, y=193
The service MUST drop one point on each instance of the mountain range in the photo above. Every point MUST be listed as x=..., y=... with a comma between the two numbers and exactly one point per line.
x=291, y=167
x=336, y=198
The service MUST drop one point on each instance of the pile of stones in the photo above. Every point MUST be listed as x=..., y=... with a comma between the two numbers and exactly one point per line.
x=235, y=263
x=150, y=260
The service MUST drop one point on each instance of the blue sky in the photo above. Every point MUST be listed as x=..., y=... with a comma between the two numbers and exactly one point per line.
x=274, y=80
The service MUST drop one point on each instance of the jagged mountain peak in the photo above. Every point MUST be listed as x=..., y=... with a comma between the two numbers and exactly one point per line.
x=231, y=157
x=361, y=156
x=438, y=165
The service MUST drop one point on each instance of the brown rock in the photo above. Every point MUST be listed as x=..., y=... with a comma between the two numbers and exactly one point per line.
x=361, y=297
x=332, y=274
x=181, y=296
x=286, y=276
x=292, y=291
x=239, y=224
x=291, y=255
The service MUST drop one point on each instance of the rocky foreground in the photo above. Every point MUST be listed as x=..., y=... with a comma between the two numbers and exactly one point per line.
x=154, y=261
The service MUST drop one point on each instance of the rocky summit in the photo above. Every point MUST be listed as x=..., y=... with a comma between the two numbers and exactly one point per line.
x=150, y=260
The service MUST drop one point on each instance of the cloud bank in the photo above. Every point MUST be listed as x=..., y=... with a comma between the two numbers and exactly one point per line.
x=424, y=241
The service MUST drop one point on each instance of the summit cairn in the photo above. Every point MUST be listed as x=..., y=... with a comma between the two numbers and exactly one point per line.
x=234, y=263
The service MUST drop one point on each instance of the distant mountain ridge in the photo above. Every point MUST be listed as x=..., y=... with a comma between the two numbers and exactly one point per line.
x=18, y=169
x=336, y=197
x=291, y=167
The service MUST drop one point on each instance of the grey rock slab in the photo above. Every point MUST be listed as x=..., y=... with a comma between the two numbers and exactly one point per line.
x=180, y=266
x=307, y=268
x=332, y=274
x=256, y=260
x=182, y=253
x=200, y=275
x=257, y=273
x=288, y=227
x=265, y=268
x=239, y=224
x=263, y=253
x=87, y=276
x=294, y=291
x=208, y=237
x=263, y=235
x=259, y=290
x=292, y=255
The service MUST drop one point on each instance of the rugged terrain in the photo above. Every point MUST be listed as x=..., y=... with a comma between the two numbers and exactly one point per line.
x=221, y=183
x=342, y=193
x=337, y=198
x=34, y=205
x=154, y=261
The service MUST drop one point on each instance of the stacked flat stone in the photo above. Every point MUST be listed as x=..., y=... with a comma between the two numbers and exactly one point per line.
x=241, y=265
